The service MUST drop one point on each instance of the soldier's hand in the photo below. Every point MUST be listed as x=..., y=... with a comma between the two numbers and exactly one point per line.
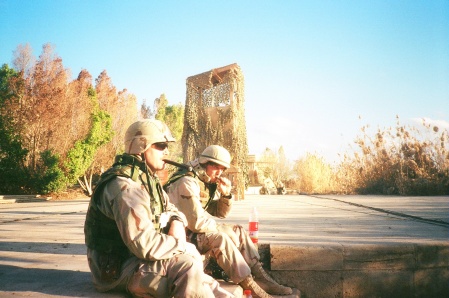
x=193, y=251
x=224, y=186
x=177, y=230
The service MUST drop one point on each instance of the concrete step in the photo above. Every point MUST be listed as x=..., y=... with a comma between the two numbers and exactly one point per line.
x=406, y=270
x=237, y=291
x=7, y=199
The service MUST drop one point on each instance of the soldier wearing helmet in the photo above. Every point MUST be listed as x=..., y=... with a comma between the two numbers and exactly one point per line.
x=229, y=245
x=135, y=238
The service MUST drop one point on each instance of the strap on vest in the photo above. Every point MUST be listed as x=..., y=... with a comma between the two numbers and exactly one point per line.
x=101, y=233
x=178, y=175
x=212, y=187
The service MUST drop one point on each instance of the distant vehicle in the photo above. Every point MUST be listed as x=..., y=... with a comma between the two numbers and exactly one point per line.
x=269, y=188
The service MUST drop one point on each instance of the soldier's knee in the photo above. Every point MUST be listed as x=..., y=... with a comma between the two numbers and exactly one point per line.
x=222, y=236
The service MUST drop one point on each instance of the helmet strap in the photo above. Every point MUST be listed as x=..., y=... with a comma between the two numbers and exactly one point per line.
x=199, y=171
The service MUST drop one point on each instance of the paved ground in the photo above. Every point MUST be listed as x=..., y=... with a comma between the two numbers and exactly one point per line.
x=42, y=252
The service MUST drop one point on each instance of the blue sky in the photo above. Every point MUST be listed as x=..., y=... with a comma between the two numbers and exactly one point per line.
x=311, y=68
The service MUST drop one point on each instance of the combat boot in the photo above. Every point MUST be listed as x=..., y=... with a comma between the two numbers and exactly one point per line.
x=257, y=292
x=267, y=283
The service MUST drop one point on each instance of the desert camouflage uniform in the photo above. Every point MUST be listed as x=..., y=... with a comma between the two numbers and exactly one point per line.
x=230, y=245
x=157, y=265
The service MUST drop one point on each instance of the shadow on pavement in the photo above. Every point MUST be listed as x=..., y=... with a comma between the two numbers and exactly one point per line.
x=69, y=283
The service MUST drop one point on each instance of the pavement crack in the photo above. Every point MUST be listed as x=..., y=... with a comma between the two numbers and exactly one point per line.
x=436, y=222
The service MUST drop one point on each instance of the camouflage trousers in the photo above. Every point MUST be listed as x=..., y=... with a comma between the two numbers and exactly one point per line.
x=179, y=276
x=232, y=249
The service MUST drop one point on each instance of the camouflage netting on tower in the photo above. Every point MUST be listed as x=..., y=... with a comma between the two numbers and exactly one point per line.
x=215, y=114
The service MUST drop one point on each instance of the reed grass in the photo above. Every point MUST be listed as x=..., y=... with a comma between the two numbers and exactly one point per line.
x=400, y=160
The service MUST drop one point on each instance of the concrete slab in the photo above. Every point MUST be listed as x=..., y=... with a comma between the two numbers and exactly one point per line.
x=327, y=240
x=322, y=220
x=356, y=246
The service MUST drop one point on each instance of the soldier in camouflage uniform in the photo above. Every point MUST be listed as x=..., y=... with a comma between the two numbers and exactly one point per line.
x=136, y=239
x=229, y=245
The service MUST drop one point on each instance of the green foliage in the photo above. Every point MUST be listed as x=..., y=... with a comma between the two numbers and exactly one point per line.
x=50, y=134
x=49, y=177
x=5, y=74
x=13, y=174
x=81, y=156
x=173, y=116
x=159, y=105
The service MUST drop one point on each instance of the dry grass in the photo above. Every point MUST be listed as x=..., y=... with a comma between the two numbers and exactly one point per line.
x=315, y=175
x=405, y=160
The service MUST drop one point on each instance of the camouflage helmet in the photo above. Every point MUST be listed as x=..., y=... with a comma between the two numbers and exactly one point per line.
x=216, y=154
x=143, y=133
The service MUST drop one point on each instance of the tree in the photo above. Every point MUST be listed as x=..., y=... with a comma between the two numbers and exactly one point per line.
x=145, y=111
x=275, y=170
x=159, y=106
x=24, y=59
x=81, y=157
x=106, y=92
x=12, y=152
x=80, y=106
x=45, y=97
x=173, y=116
x=122, y=107
x=53, y=129
x=283, y=168
x=315, y=175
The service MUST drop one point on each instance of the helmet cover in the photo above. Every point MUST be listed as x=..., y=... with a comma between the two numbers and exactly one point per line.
x=216, y=154
x=143, y=133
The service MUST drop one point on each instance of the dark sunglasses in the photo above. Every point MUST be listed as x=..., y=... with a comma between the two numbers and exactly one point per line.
x=160, y=146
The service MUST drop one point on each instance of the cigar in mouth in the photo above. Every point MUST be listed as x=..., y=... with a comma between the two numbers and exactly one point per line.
x=177, y=164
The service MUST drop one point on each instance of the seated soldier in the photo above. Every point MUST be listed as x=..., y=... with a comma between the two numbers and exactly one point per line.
x=135, y=239
x=229, y=245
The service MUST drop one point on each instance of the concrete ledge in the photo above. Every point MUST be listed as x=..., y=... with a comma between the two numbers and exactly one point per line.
x=408, y=270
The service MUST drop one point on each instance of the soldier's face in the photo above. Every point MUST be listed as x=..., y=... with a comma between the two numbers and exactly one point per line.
x=154, y=156
x=214, y=171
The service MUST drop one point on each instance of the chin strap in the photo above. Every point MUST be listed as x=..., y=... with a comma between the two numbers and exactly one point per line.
x=199, y=171
x=153, y=186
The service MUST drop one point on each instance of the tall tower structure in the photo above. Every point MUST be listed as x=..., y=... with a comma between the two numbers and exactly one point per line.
x=215, y=115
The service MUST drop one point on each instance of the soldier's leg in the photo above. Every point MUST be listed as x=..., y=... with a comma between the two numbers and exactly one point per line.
x=179, y=276
x=250, y=253
x=220, y=247
x=242, y=240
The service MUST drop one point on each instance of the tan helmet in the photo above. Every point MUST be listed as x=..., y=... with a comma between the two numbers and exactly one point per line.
x=216, y=154
x=143, y=133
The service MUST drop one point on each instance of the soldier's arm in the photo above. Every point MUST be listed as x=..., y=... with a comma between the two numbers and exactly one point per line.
x=132, y=212
x=189, y=203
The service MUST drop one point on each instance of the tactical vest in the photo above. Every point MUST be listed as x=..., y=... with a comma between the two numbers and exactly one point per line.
x=101, y=233
x=211, y=187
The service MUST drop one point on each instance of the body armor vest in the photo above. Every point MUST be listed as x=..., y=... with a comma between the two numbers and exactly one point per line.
x=210, y=187
x=101, y=233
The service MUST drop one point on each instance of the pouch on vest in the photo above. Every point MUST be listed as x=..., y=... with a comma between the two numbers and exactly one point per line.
x=110, y=266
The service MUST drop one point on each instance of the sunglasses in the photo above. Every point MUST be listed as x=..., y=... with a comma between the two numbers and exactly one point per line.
x=160, y=146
